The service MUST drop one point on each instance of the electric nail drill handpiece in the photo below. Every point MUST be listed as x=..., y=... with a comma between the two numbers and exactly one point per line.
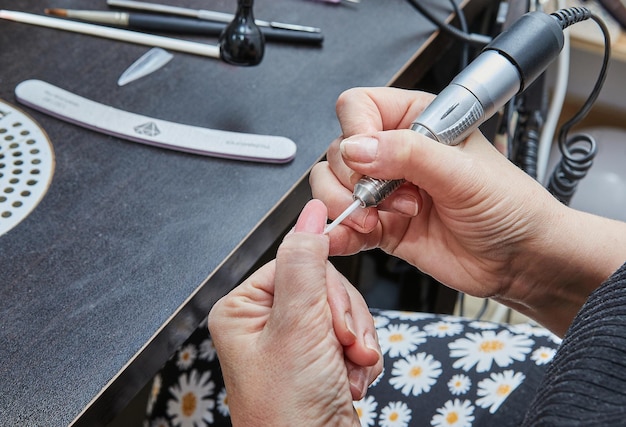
x=506, y=66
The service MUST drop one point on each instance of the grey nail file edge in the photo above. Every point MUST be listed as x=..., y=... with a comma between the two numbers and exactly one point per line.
x=75, y=109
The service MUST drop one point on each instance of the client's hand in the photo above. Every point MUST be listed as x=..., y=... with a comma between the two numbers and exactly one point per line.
x=295, y=341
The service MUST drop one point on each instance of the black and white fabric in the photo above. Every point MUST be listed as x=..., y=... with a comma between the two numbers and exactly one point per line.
x=439, y=371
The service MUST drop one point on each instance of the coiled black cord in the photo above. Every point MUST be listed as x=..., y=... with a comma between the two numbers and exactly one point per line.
x=577, y=152
x=529, y=135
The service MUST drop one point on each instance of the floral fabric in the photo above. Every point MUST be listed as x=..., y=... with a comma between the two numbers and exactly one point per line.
x=439, y=371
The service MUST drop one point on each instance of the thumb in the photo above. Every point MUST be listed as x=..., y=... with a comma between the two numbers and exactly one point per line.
x=301, y=263
x=403, y=154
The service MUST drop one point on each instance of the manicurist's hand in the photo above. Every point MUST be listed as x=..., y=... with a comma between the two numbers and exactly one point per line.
x=467, y=215
x=295, y=341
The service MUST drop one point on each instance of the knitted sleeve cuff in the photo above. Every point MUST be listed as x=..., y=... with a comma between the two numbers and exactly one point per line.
x=586, y=382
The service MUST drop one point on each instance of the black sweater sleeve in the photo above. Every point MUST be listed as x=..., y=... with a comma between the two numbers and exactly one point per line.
x=586, y=382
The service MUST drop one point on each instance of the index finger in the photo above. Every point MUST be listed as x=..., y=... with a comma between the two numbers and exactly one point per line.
x=369, y=110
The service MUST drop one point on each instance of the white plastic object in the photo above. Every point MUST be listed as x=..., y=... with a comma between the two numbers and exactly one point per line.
x=26, y=165
x=75, y=109
x=148, y=63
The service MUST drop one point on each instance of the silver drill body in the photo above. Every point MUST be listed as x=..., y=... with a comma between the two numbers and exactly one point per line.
x=505, y=67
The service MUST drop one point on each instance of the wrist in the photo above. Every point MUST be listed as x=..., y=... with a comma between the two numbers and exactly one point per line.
x=570, y=255
x=288, y=416
x=268, y=401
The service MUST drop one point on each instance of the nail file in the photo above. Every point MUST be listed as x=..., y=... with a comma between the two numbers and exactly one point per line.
x=103, y=118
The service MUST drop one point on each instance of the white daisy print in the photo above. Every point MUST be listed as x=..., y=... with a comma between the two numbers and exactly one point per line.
x=407, y=315
x=495, y=389
x=454, y=414
x=380, y=321
x=159, y=422
x=222, y=403
x=396, y=414
x=555, y=339
x=186, y=357
x=190, y=405
x=207, y=350
x=416, y=374
x=378, y=378
x=157, y=382
x=443, y=329
x=532, y=329
x=400, y=340
x=481, y=324
x=543, y=355
x=366, y=410
x=528, y=329
x=451, y=318
x=483, y=349
x=459, y=384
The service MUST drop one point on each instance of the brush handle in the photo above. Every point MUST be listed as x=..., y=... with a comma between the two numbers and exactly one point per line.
x=174, y=24
x=178, y=45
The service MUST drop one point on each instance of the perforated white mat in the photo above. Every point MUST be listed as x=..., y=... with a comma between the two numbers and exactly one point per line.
x=26, y=165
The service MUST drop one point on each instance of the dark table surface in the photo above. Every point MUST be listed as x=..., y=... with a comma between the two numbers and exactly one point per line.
x=132, y=244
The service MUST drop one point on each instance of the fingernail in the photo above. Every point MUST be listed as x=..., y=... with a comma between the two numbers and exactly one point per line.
x=354, y=177
x=405, y=204
x=358, y=382
x=371, y=342
x=310, y=225
x=364, y=217
x=350, y=323
x=359, y=149
x=309, y=220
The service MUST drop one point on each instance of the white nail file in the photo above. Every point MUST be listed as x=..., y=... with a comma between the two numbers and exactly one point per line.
x=147, y=130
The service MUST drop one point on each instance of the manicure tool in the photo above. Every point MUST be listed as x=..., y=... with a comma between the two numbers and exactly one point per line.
x=208, y=15
x=182, y=25
x=507, y=66
x=202, y=49
x=81, y=111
